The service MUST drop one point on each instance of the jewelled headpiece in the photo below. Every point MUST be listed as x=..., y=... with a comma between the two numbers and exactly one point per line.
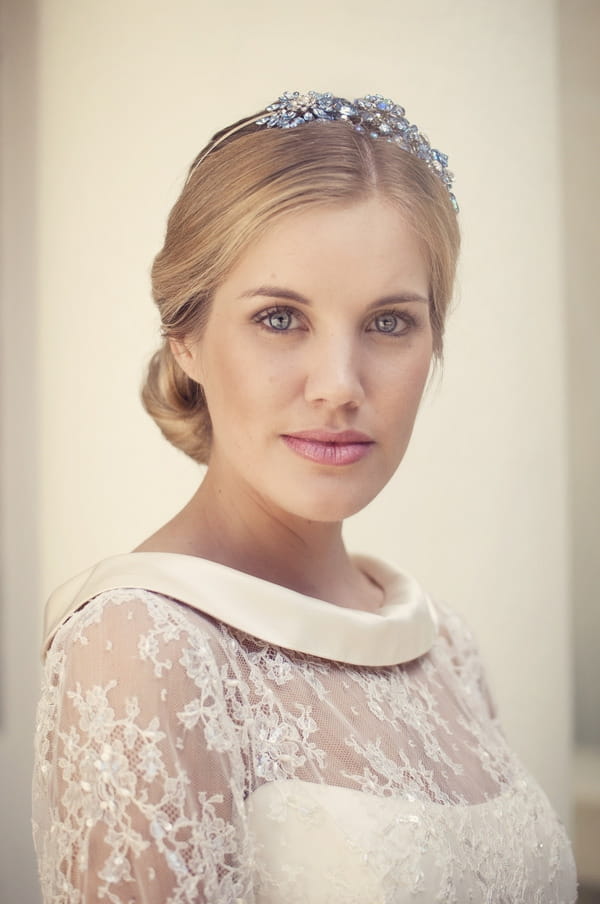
x=373, y=114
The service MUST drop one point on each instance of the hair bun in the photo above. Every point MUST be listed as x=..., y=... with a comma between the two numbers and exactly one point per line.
x=177, y=404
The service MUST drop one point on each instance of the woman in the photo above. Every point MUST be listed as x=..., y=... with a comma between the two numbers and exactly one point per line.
x=239, y=710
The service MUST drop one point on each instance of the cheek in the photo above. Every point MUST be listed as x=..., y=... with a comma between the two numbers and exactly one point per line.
x=403, y=381
x=242, y=388
x=422, y=373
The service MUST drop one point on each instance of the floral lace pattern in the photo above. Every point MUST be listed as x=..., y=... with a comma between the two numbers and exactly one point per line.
x=179, y=760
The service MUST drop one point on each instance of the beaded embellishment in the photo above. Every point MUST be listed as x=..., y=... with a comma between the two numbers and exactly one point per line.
x=373, y=114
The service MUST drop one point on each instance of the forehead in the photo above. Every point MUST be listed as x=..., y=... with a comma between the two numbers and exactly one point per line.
x=363, y=247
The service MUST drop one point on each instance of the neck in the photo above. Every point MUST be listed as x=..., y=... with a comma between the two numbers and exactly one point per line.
x=230, y=524
x=250, y=535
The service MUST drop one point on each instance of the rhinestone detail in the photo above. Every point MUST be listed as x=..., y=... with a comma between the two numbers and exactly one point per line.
x=378, y=116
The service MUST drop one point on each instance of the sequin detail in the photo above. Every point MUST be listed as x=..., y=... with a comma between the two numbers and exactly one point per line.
x=192, y=763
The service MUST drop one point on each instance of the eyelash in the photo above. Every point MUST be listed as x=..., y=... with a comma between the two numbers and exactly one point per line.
x=262, y=317
x=401, y=317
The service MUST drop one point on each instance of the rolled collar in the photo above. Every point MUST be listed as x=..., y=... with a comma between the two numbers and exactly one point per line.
x=403, y=629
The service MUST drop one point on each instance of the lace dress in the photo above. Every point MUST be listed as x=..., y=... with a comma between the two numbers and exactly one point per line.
x=206, y=736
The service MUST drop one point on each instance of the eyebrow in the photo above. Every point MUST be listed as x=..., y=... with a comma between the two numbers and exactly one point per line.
x=290, y=295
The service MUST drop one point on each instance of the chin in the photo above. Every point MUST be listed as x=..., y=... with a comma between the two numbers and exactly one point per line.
x=329, y=507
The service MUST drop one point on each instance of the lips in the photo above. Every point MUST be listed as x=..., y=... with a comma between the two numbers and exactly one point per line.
x=328, y=447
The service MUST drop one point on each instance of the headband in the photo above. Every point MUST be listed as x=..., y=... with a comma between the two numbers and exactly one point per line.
x=373, y=115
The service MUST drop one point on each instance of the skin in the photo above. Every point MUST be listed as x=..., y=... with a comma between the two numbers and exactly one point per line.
x=322, y=325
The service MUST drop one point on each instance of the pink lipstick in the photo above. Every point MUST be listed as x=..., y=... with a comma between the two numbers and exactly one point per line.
x=326, y=447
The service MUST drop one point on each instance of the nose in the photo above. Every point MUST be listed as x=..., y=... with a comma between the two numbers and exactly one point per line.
x=333, y=373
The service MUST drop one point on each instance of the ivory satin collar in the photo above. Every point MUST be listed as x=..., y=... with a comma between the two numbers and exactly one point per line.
x=403, y=629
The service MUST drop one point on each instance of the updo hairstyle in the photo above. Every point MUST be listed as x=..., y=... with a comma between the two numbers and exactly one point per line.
x=233, y=194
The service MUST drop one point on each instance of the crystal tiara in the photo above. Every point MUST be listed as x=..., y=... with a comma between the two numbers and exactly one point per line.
x=376, y=116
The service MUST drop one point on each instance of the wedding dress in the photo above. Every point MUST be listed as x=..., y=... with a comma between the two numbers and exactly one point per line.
x=207, y=736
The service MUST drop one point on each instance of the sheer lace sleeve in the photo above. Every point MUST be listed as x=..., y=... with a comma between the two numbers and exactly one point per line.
x=138, y=789
x=464, y=655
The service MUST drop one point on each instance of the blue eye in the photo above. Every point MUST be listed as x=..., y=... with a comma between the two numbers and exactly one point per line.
x=386, y=323
x=277, y=320
x=391, y=323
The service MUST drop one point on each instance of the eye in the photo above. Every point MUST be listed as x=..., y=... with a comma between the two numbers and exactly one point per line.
x=391, y=323
x=278, y=320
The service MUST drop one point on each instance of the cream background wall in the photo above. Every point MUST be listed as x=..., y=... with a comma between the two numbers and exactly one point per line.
x=20, y=589
x=580, y=33
x=127, y=93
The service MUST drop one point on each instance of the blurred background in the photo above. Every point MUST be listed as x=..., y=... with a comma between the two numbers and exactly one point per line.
x=103, y=105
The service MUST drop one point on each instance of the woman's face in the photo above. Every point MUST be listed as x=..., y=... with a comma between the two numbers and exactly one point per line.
x=314, y=359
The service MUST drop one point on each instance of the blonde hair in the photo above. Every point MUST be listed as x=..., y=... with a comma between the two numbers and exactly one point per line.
x=245, y=180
